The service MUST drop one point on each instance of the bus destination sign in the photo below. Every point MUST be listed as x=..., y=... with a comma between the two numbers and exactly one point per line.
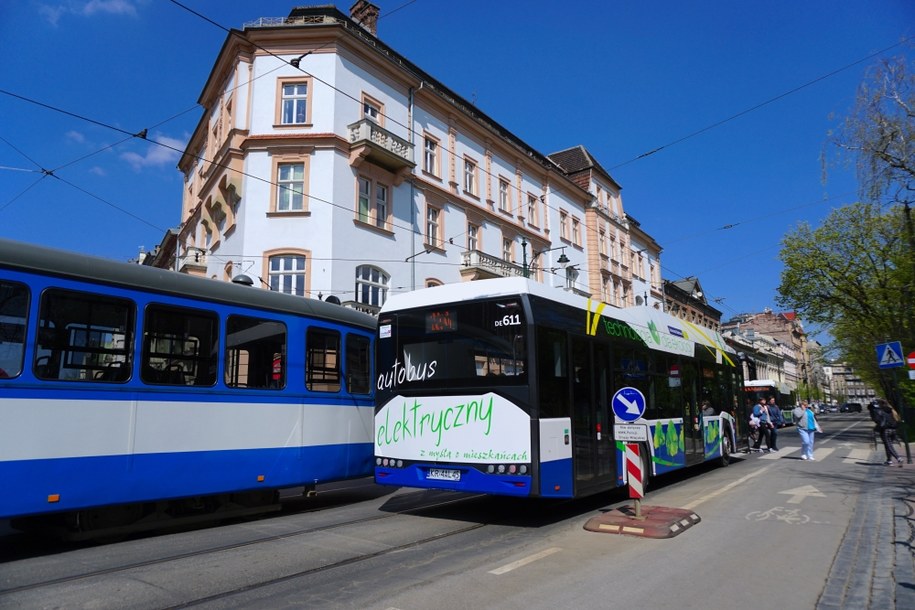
x=441, y=321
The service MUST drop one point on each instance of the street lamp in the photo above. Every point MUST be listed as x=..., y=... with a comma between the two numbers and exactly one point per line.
x=563, y=260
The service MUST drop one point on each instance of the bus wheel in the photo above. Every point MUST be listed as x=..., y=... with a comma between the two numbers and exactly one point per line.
x=726, y=447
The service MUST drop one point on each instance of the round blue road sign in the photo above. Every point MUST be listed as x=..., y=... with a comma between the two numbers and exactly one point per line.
x=628, y=404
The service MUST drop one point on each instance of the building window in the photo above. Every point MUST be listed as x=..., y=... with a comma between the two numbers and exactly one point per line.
x=371, y=285
x=286, y=273
x=564, y=225
x=365, y=199
x=470, y=177
x=602, y=243
x=504, y=203
x=576, y=231
x=372, y=207
x=507, y=249
x=381, y=205
x=294, y=103
x=473, y=231
x=532, y=210
x=433, y=227
x=430, y=156
x=372, y=110
x=290, y=187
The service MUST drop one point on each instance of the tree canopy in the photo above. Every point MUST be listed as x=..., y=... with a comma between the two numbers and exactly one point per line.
x=855, y=274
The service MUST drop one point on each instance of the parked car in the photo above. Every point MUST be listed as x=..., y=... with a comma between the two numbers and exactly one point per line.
x=851, y=407
x=832, y=409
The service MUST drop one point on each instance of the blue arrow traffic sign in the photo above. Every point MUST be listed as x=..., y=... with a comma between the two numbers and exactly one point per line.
x=889, y=355
x=628, y=404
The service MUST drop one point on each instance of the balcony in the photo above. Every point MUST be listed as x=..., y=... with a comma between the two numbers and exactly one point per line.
x=193, y=262
x=371, y=142
x=476, y=265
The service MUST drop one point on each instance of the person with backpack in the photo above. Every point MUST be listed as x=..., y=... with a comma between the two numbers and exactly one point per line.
x=884, y=418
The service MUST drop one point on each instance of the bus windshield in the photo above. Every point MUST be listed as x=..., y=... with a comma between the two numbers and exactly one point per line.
x=453, y=345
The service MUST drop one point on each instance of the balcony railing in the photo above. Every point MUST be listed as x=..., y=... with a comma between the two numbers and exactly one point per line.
x=371, y=141
x=485, y=265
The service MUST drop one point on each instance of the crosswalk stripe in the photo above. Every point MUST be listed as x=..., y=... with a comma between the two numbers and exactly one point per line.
x=780, y=453
x=857, y=455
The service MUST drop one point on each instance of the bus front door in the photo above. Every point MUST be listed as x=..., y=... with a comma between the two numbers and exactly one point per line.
x=593, y=454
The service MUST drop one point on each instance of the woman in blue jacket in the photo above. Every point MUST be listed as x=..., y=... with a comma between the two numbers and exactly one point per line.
x=807, y=427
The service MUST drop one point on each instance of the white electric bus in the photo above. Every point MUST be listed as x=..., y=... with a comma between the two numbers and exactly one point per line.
x=507, y=386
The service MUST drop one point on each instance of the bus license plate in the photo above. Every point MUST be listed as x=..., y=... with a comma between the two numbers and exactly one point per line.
x=442, y=474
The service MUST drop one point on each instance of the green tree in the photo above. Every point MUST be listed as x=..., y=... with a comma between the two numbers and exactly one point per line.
x=855, y=275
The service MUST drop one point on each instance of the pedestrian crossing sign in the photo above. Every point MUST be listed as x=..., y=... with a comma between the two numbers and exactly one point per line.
x=889, y=355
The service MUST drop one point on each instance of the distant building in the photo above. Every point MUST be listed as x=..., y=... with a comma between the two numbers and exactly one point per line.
x=685, y=299
x=843, y=385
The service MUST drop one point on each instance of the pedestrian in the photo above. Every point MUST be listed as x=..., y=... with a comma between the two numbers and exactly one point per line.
x=761, y=411
x=884, y=417
x=807, y=427
x=778, y=420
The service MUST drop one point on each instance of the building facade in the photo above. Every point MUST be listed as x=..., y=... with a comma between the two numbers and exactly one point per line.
x=326, y=164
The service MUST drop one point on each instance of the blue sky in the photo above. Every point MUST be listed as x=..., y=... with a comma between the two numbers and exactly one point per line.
x=621, y=78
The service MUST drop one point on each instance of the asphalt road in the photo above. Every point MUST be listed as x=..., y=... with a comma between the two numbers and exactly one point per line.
x=771, y=527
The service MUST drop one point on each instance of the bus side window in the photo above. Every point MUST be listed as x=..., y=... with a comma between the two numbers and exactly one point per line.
x=553, y=373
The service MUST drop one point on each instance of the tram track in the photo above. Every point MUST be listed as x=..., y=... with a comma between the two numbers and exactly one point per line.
x=263, y=540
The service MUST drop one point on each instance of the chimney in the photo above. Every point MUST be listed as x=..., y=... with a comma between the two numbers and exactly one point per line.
x=366, y=15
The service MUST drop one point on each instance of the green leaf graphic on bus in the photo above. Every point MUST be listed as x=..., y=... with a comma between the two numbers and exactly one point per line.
x=653, y=329
x=673, y=439
x=658, y=437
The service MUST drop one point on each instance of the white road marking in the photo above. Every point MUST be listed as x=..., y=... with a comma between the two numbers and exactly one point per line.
x=523, y=562
x=857, y=455
x=692, y=505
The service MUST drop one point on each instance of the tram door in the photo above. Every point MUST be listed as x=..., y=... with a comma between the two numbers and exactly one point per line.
x=593, y=453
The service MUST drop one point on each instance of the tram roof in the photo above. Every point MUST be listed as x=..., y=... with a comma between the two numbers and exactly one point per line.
x=53, y=262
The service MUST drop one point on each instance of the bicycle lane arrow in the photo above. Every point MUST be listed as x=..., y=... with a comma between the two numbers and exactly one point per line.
x=799, y=494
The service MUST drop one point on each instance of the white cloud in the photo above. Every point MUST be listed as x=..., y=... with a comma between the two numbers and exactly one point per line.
x=156, y=156
x=98, y=171
x=88, y=8
x=76, y=136
x=113, y=7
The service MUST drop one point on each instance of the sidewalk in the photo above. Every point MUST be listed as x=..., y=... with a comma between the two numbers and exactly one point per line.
x=874, y=567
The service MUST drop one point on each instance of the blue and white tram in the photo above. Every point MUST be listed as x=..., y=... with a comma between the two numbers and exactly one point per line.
x=506, y=386
x=122, y=385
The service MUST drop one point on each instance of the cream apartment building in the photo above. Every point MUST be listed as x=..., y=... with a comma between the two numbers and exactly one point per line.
x=328, y=165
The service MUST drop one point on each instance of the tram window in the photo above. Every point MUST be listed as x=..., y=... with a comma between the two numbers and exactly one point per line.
x=180, y=346
x=84, y=337
x=14, y=305
x=322, y=360
x=358, y=364
x=255, y=353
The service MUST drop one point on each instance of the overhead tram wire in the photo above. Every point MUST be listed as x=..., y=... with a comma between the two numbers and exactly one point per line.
x=762, y=104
